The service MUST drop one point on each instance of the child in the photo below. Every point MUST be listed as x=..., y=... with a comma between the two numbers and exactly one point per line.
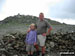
x=31, y=40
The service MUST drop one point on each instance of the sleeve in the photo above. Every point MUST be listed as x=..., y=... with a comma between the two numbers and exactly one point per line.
x=26, y=37
x=35, y=36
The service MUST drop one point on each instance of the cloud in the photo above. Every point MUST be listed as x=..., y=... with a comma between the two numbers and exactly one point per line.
x=57, y=9
x=64, y=9
x=1, y=4
x=67, y=21
x=31, y=7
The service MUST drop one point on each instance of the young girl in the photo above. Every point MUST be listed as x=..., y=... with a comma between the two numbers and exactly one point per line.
x=31, y=40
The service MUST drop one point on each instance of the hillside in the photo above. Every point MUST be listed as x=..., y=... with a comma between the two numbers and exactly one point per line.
x=21, y=23
x=25, y=19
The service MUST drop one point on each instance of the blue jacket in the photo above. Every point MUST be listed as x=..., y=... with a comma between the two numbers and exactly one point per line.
x=31, y=37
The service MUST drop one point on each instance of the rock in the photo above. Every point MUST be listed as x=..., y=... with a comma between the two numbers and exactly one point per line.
x=57, y=41
x=73, y=37
x=52, y=44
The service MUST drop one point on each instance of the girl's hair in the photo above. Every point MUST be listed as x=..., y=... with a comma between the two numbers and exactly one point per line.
x=34, y=25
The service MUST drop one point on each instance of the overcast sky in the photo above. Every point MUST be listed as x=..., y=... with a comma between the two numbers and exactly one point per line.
x=59, y=10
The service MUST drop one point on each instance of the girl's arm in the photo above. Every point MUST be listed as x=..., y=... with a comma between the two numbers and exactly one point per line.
x=26, y=37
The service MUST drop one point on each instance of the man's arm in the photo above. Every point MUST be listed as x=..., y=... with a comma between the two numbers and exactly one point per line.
x=28, y=30
x=44, y=34
x=49, y=30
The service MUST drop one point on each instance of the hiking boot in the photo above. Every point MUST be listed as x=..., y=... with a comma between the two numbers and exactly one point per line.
x=43, y=54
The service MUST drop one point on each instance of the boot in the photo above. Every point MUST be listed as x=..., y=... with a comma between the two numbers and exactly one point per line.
x=43, y=54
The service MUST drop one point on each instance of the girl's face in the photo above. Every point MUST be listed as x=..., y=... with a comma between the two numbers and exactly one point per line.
x=32, y=27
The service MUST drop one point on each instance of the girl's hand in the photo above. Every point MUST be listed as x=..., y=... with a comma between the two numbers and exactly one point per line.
x=35, y=43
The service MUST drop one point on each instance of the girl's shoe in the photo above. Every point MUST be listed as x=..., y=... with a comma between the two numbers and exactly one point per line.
x=29, y=55
x=43, y=54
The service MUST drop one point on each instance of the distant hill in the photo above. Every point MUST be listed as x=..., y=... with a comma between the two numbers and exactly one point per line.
x=26, y=19
x=21, y=23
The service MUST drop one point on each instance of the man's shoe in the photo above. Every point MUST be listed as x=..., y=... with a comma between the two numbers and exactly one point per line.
x=38, y=53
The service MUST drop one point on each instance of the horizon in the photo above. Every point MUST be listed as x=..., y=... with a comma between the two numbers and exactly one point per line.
x=57, y=10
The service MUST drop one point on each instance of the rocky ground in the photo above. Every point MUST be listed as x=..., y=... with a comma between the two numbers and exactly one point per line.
x=55, y=43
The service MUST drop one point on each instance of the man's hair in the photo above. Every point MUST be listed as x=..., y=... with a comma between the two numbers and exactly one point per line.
x=41, y=13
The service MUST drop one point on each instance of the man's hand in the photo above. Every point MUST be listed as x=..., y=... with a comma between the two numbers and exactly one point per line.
x=28, y=30
x=44, y=34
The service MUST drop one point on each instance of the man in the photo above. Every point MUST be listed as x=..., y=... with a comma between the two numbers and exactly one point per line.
x=42, y=27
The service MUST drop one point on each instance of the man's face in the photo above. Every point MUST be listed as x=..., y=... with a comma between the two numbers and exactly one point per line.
x=41, y=16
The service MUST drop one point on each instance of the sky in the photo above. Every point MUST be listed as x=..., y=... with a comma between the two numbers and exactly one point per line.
x=59, y=10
